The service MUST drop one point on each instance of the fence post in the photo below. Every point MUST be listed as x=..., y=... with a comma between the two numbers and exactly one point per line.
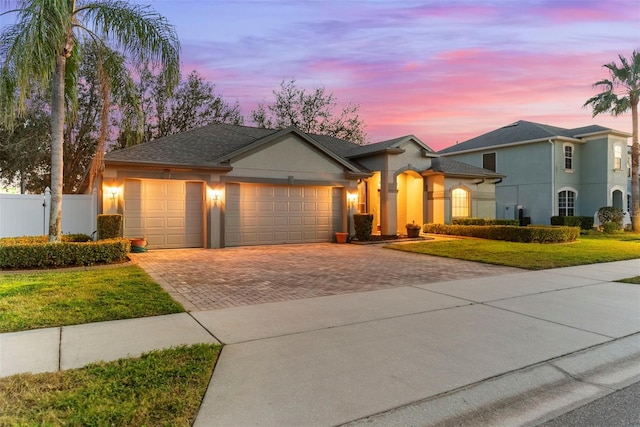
x=46, y=203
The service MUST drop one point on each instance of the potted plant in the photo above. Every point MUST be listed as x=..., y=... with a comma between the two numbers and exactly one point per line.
x=341, y=237
x=138, y=244
x=413, y=230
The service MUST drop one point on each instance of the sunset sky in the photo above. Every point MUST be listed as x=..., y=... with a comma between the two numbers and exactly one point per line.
x=444, y=71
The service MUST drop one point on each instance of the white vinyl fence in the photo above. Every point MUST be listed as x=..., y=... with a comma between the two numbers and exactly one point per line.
x=28, y=214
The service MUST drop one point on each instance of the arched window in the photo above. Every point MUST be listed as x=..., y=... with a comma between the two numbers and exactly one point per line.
x=460, y=203
x=566, y=203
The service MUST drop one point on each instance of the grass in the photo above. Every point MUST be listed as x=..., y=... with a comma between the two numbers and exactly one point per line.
x=161, y=388
x=57, y=298
x=633, y=280
x=588, y=249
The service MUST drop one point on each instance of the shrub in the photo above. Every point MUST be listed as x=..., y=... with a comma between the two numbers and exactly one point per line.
x=363, y=224
x=77, y=237
x=109, y=226
x=483, y=221
x=584, y=222
x=610, y=214
x=610, y=227
x=37, y=252
x=529, y=234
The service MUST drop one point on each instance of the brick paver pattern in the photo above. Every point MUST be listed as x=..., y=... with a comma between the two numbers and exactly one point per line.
x=205, y=279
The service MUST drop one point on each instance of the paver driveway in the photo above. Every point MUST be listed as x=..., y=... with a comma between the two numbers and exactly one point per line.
x=205, y=279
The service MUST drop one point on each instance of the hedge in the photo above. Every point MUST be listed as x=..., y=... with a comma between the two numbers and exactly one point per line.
x=529, y=234
x=584, y=222
x=37, y=252
x=109, y=226
x=363, y=224
x=484, y=221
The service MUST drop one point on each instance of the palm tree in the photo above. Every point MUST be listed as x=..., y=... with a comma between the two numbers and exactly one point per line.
x=40, y=49
x=621, y=94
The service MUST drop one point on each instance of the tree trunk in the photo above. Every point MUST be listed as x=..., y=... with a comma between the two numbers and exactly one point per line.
x=635, y=158
x=57, y=146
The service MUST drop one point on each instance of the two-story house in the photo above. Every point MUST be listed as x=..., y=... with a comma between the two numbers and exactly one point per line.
x=551, y=170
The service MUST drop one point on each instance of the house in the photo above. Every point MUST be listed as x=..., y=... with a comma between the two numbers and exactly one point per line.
x=224, y=185
x=550, y=170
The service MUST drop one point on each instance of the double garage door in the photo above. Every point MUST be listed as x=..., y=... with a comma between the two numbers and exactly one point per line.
x=271, y=214
x=169, y=213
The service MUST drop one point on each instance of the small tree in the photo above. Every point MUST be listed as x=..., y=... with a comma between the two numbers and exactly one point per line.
x=311, y=112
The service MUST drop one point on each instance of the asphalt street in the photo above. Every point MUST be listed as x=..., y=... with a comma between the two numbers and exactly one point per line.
x=618, y=409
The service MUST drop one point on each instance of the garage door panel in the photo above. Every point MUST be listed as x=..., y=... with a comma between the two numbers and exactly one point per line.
x=169, y=213
x=285, y=214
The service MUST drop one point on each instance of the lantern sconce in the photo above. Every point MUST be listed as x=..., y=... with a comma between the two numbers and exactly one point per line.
x=352, y=198
x=215, y=194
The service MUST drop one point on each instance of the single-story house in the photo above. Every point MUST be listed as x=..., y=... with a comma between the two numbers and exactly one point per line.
x=225, y=185
x=551, y=171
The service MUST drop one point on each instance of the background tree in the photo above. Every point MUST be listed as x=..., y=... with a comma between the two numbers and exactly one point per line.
x=620, y=93
x=311, y=112
x=41, y=48
x=25, y=148
x=192, y=104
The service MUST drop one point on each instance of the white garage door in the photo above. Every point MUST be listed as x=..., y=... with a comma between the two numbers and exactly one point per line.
x=167, y=212
x=271, y=214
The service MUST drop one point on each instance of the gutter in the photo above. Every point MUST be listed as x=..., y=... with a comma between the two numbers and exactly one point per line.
x=170, y=166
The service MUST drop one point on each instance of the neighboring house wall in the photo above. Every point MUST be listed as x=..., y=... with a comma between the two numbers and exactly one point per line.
x=527, y=182
x=28, y=214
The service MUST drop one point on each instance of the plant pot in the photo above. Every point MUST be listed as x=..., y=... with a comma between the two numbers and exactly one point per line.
x=413, y=232
x=341, y=237
x=138, y=242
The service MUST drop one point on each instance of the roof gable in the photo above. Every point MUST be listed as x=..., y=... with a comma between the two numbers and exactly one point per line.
x=388, y=146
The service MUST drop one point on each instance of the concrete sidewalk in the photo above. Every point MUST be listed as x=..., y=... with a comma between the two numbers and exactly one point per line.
x=511, y=349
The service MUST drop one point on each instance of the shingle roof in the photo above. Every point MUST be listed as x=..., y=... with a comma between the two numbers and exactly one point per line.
x=452, y=167
x=196, y=147
x=380, y=147
x=520, y=131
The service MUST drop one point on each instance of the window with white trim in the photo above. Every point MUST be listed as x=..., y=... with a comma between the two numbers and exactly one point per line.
x=568, y=156
x=460, y=203
x=566, y=203
x=617, y=157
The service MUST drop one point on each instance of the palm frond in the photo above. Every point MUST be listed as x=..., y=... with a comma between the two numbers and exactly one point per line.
x=136, y=30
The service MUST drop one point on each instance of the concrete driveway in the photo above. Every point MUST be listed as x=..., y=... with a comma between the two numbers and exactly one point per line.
x=205, y=279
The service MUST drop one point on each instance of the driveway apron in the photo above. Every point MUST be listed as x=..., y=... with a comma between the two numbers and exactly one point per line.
x=206, y=279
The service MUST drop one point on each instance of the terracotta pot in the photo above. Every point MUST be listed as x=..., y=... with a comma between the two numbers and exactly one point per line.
x=139, y=242
x=341, y=237
x=413, y=232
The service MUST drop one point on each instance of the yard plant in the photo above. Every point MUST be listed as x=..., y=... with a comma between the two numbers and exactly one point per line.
x=57, y=298
x=588, y=249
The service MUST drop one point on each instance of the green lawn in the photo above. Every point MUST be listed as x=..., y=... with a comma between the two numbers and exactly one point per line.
x=57, y=298
x=588, y=249
x=161, y=388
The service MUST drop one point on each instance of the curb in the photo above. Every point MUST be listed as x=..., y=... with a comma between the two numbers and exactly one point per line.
x=528, y=396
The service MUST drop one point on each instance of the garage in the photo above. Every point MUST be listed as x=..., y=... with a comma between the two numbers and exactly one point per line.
x=169, y=213
x=259, y=214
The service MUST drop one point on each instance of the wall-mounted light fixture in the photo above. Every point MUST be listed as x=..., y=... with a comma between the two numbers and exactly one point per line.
x=215, y=194
x=352, y=198
x=113, y=191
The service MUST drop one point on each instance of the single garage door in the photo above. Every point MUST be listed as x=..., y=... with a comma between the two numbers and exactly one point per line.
x=167, y=212
x=259, y=214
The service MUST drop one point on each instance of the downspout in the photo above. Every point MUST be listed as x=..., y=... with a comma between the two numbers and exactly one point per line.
x=553, y=178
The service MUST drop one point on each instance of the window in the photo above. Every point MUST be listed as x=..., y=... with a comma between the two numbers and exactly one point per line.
x=489, y=161
x=566, y=203
x=617, y=157
x=568, y=156
x=459, y=203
